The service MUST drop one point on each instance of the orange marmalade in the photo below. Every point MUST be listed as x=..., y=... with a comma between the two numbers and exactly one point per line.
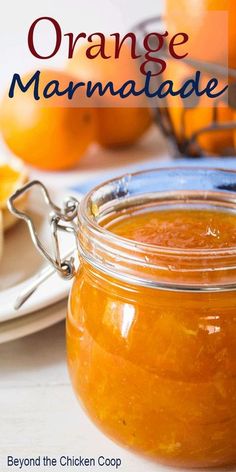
x=151, y=330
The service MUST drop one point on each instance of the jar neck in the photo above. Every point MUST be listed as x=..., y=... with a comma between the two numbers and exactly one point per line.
x=142, y=265
x=145, y=264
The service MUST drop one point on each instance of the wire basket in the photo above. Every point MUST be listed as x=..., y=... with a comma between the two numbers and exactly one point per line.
x=183, y=144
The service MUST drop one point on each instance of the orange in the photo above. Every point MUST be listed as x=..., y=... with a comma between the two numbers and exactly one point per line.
x=189, y=120
x=121, y=122
x=207, y=35
x=50, y=134
x=119, y=127
x=12, y=176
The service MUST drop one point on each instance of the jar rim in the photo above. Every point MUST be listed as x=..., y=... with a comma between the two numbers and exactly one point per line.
x=148, y=264
x=88, y=218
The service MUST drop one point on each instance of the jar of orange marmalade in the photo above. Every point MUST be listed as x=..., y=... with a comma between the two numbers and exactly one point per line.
x=151, y=325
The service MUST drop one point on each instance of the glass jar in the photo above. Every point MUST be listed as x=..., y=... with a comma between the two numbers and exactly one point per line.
x=151, y=331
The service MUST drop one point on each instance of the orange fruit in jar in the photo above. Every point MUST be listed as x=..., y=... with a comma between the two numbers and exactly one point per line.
x=211, y=37
x=120, y=122
x=50, y=134
x=194, y=117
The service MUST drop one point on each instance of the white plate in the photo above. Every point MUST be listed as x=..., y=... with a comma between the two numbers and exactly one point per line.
x=21, y=261
x=29, y=324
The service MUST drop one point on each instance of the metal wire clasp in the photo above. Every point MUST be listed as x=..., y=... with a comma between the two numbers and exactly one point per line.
x=60, y=219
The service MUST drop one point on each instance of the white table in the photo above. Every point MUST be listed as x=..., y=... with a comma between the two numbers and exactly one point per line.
x=39, y=412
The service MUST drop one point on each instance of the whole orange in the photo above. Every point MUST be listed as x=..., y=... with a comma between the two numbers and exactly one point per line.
x=207, y=34
x=121, y=122
x=188, y=120
x=50, y=134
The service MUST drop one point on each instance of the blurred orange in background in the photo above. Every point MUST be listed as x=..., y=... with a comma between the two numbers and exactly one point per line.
x=117, y=125
x=47, y=134
x=188, y=120
x=208, y=39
